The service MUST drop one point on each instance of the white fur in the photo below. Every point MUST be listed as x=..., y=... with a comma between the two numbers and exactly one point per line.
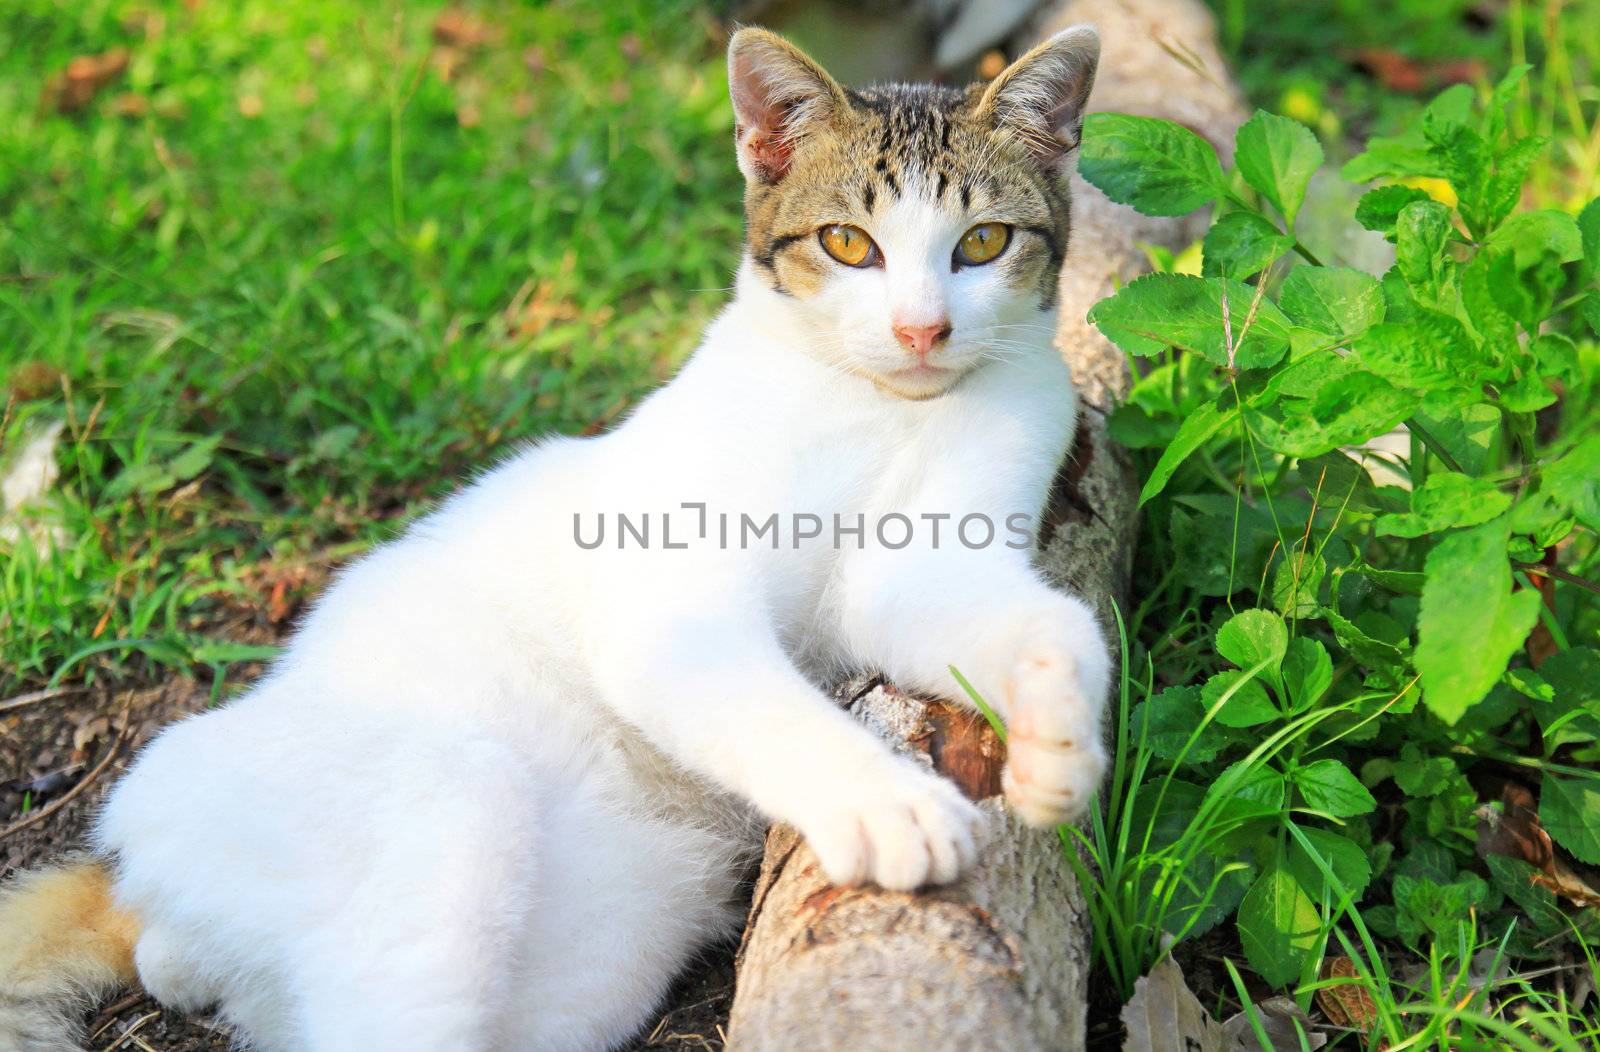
x=496, y=792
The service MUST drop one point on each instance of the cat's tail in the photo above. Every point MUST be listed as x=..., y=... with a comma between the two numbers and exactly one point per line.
x=63, y=943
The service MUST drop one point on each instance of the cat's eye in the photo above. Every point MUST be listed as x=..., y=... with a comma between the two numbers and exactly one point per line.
x=850, y=245
x=982, y=244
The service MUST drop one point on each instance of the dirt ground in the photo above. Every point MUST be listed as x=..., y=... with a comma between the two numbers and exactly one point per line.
x=63, y=752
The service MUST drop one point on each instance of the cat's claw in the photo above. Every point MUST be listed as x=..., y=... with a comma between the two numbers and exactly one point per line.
x=910, y=829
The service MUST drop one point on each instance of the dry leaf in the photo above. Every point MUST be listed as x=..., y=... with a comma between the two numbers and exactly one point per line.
x=130, y=104
x=35, y=379
x=1514, y=831
x=460, y=29
x=1399, y=72
x=1164, y=1015
x=76, y=87
x=1283, y=1022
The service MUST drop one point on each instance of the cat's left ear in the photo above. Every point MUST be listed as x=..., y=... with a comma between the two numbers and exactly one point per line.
x=1042, y=95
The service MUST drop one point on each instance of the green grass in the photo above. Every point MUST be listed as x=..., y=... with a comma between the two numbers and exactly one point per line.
x=273, y=337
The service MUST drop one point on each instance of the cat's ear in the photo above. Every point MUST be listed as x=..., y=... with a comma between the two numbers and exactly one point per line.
x=779, y=96
x=1041, y=96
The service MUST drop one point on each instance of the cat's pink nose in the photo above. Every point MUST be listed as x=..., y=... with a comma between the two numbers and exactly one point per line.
x=920, y=339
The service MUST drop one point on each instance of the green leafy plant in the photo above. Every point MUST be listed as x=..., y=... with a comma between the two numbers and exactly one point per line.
x=1371, y=503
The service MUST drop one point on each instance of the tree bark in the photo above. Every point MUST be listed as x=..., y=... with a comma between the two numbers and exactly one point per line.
x=1000, y=959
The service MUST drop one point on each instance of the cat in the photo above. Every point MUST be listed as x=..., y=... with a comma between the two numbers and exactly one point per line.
x=498, y=789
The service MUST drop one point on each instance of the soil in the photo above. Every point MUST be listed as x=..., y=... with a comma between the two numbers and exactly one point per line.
x=56, y=745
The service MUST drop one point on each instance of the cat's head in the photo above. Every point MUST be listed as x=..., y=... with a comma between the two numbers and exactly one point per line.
x=909, y=232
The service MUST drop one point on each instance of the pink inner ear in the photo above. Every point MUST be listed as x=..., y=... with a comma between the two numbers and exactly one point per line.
x=768, y=151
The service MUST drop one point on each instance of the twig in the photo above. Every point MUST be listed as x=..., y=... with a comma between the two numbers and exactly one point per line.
x=133, y=1028
x=33, y=697
x=83, y=783
x=108, y=1015
x=1541, y=570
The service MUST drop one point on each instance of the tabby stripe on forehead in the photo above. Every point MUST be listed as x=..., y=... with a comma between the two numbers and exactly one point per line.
x=944, y=181
x=869, y=197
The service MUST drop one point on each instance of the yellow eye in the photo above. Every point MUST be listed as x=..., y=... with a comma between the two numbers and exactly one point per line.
x=850, y=245
x=982, y=243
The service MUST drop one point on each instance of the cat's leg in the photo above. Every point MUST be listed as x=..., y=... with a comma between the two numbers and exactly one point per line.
x=333, y=881
x=625, y=899
x=699, y=668
x=1037, y=656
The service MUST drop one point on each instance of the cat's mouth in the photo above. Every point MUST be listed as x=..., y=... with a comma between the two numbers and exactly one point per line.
x=921, y=381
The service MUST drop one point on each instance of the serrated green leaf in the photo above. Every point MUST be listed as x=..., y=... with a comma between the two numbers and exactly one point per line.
x=1247, y=704
x=1277, y=156
x=1429, y=908
x=1159, y=311
x=1526, y=293
x=1244, y=791
x=1241, y=244
x=1338, y=301
x=1503, y=190
x=1568, y=705
x=1496, y=328
x=1556, y=356
x=1347, y=859
x=1446, y=500
x=1379, y=209
x=1432, y=351
x=1573, y=481
x=1420, y=774
x=1589, y=237
x=1158, y=167
x=1528, y=393
x=1307, y=672
x=1295, y=583
x=1530, y=235
x=1252, y=637
x=1278, y=926
x=1196, y=429
x=1170, y=719
x=1569, y=810
x=1349, y=409
x=1466, y=434
x=1421, y=233
x=1470, y=622
x=1329, y=786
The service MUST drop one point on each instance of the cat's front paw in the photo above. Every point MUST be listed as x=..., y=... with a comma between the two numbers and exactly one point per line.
x=1053, y=698
x=901, y=827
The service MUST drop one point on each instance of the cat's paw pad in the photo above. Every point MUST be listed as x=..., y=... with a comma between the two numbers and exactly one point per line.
x=1055, y=757
x=912, y=828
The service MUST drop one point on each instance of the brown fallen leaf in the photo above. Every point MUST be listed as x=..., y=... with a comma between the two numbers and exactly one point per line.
x=1163, y=1014
x=461, y=29
x=1348, y=1003
x=75, y=87
x=1514, y=830
x=1399, y=72
x=35, y=379
x=130, y=104
x=1282, y=1021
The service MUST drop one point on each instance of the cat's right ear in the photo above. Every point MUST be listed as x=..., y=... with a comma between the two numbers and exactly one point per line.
x=779, y=96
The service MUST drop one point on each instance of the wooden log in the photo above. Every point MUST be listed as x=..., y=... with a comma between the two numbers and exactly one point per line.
x=1000, y=959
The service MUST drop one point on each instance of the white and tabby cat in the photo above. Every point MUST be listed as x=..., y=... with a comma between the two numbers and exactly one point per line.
x=495, y=793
